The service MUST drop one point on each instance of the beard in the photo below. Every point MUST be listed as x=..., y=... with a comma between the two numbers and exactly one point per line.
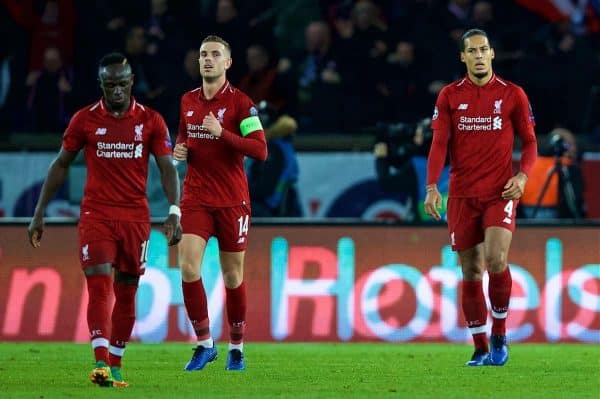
x=481, y=75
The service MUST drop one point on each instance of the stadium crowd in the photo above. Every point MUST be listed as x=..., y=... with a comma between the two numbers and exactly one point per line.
x=334, y=65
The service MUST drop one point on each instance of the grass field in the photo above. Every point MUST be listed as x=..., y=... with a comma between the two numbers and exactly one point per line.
x=48, y=370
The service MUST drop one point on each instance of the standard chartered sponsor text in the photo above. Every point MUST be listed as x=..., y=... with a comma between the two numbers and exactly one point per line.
x=117, y=150
x=478, y=123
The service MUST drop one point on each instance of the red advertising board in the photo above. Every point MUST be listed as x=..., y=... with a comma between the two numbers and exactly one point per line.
x=316, y=283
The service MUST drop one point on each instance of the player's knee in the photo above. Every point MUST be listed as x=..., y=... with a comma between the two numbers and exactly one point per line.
x=189, y=271
x=472, y=273
x=232, y=278
x=495, y=261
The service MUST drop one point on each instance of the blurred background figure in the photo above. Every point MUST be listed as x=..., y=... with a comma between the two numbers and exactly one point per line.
x=555, y=187
x=262, y=82
x=49, y=94
x=401, y=163
x=315, y=77
x=272, y=183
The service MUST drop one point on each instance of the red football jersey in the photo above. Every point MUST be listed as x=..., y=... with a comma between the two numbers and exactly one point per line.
x=116, y=152
x=215, y=173
x=477, y=125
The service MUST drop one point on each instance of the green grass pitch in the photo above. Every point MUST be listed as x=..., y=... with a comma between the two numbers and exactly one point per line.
x=298, y=370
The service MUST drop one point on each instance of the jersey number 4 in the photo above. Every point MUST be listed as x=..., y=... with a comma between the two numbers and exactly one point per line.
x=509, y=211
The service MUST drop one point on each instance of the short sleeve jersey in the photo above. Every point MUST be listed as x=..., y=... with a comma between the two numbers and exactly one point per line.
x=215, y=173
x=481, y=123
x=116, y=152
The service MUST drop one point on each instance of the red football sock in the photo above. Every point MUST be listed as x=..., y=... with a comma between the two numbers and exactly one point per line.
x=236, y=312
x=194, y=298
x=97, y=314
x=123, y=319
x=475, y=311
x=499, y=287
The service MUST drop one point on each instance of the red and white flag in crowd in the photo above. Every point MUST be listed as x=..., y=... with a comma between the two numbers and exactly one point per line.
x=584, y=12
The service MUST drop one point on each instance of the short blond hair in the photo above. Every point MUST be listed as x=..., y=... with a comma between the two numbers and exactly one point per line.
x=216, y=39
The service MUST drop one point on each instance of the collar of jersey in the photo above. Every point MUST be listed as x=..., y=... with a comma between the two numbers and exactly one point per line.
x=127, y=114
x=220, y=93
x=492, y=80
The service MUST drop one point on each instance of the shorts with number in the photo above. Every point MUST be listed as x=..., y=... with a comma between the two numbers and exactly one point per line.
x=120, y=243
x=229, y=225
x=468, y=218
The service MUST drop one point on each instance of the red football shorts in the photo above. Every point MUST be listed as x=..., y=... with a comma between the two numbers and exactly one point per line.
x=230, y=225
x=469, y=217
x=122, y=244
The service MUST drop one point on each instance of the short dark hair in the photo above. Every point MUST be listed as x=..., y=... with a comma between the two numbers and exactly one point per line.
x=112, y=59
x=217, y=39
x=469, y=33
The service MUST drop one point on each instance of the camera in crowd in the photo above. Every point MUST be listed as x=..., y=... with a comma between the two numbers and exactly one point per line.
x=406, y=139
x=266, y=113
x=558, y=145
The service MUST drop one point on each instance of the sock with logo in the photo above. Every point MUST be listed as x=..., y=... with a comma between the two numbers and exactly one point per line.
x=475, y=312
x=499, y=288
x=98, y=287
x=194, y=297
x=123, y=319
x=236, y=313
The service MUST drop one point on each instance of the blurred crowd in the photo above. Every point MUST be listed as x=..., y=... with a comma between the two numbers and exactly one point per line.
x=334, y=65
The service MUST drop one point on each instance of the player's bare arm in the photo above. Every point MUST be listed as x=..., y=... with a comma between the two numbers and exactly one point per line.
x=57, y=173
x=180, y=152
x=433, y=201
x=515, y=186
x=170, y=183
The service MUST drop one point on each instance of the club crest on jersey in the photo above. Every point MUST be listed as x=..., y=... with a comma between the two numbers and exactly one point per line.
x=221, y=114
x=138, y=132
x=85, y=252
x=498, y=106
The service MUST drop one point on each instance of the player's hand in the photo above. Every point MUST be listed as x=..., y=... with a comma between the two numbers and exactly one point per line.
x=173, y=229
x=433, y=202
x=515, y=187
x=211, y=123
x=180, y=152
x=35, y=231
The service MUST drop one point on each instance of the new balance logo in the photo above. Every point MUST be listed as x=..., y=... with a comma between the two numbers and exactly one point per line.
x=463, y=106
x=452, y=239
x=101, y=131
x=189, y=113
x=241, y=240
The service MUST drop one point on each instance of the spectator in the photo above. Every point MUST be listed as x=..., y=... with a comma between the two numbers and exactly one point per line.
x=272, y=183
x=317, y=76
x=362, y=47
x=148, y=70
x=49, y=91
x=402, y=86
x=50, y=23
x=261, y=82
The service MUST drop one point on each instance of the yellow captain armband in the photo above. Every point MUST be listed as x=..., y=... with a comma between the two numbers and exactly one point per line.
x=249, y=125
